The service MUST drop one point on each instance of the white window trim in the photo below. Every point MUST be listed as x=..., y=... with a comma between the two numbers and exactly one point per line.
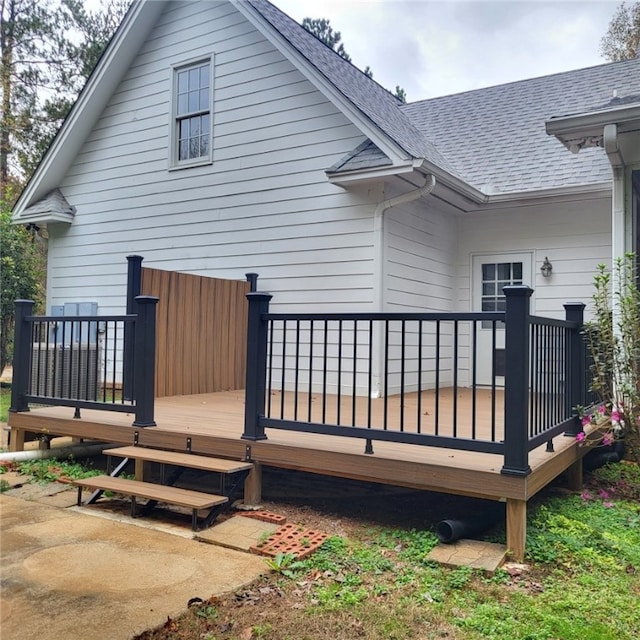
x=174, y=163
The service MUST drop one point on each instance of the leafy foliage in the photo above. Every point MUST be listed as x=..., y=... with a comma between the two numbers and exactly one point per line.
x=622, y=40
x=21, y=275
x=613, y=339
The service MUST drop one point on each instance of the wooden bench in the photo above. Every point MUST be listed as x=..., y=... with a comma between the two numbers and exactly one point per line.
x=190, y=460
x=193, y=500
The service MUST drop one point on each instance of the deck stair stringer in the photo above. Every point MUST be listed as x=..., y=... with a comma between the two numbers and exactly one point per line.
x=232, y=473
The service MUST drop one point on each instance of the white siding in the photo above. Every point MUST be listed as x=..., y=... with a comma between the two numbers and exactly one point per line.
x=420, y=247
x=575, y=236
x=264, y=205
x=419, y=258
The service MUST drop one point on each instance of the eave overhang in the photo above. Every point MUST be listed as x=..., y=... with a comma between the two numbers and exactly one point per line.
x=584, y=130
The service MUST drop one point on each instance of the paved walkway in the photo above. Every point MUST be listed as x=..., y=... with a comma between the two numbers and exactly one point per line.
x=67, y=575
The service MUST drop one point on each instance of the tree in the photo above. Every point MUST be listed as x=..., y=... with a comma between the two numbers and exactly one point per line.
x=48, y=51
x=20, y=277
x=622, y=40
x=321, y=28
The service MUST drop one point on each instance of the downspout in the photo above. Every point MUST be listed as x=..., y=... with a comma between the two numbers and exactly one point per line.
x=379, y=297
x=619, y=240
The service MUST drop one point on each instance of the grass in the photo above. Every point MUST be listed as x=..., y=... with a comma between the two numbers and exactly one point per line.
x=52, y=469
x=5, y=402
x=581, y=583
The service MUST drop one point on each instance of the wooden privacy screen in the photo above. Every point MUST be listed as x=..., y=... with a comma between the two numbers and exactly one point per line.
x=201, y=332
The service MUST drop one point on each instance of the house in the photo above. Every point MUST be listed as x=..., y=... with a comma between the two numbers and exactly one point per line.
x=216, y=138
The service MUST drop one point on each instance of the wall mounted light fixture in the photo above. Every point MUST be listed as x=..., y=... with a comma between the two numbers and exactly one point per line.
x=546, y=268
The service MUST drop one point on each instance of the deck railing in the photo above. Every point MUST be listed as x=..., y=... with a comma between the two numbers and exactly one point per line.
x=322, y=373
x=81, y=361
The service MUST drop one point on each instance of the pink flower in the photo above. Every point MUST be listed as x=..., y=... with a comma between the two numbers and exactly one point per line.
x=586, y=420
x=602, y=409
x=608, y=505
x=585, y=495
x=580, y=436
x=607, y=439
x=604, y=494
x=615, y=416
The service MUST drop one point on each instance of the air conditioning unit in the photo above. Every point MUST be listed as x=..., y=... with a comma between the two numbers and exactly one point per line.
x=65, y=371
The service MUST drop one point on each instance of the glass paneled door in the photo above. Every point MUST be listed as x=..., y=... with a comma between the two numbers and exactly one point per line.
x=491, y=273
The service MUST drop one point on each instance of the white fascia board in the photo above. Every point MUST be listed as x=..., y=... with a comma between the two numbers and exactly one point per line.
x=93, y=98
x=359, y=176
x=327, y=88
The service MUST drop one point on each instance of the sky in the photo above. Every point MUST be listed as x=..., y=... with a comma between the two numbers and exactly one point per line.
x=435, y=48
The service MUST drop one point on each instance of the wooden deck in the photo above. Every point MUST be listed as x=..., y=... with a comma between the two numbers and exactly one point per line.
x=213, y=424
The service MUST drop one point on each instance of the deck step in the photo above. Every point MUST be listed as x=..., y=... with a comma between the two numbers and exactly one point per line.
x=190, y=460
x=161, y=493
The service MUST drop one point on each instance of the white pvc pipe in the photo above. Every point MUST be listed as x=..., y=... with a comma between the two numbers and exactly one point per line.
x=76, y=450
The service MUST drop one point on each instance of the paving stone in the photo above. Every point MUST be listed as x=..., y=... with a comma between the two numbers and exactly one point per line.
x=265, y=516
x=470, y=553
x=14, y=479
x=37, y=491
x=238, y=532
x=292, y=539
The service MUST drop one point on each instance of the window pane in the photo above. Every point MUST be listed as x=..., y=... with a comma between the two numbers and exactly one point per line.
x=194, y=148
x=504, y=271
x=488, y=271
x=501, y=304
x=205, y=124
x=204, y=145
x=182, y=103
x=517, y=271
x=501, y=284
x=204, y=99
x=488, y=305
x=183, y=152
x=183, y=81
x=193, y=101
x=489, y=289
x=195, y=127
x=193, y=79
x=184, y=129
x=204, y=76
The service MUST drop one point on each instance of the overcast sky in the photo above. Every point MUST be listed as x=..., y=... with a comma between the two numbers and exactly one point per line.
x=437, y=48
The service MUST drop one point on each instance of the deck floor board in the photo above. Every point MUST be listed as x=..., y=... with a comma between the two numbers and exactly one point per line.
x=214, y=423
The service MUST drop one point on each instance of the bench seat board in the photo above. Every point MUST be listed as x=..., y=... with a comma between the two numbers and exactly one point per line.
x=161, y=493
x=204, y=463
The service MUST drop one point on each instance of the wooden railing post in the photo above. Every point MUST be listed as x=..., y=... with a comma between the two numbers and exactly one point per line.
x=21, y=356
x=256, y=372
x=144, y=369
x=516, y=381
x=575, y=365
x=134, y=288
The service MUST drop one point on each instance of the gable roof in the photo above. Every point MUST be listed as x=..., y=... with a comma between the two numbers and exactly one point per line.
x=373, y=100
x=497, y=137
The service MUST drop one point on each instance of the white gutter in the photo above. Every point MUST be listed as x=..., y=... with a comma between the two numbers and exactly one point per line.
x=378, y=264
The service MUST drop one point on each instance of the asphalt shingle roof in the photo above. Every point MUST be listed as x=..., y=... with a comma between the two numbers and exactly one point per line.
x=496, y=136
x=380, y=106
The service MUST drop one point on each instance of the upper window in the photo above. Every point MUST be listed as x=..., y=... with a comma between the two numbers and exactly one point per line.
x=192, y=109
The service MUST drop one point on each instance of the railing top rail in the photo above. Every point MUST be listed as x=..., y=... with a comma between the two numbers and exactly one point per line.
x=123, y=318
x=382, y=316
x=552, y=322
